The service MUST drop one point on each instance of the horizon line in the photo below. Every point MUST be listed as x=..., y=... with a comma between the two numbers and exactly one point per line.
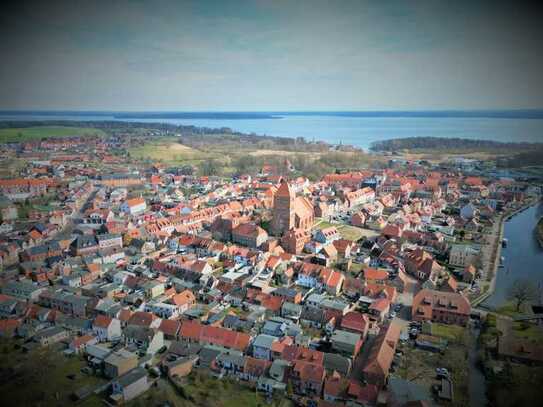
x=531, y=109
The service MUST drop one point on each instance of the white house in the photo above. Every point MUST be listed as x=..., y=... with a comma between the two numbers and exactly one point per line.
x=162, y=310
x=134, y=206
x=130, y=385
x=462, y=255
x=106, y=328
x=108, y=240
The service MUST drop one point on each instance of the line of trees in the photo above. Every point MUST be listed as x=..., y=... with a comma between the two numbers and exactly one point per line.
x=447, y=144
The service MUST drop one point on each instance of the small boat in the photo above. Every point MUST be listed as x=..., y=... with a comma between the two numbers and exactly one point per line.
x=504, y=242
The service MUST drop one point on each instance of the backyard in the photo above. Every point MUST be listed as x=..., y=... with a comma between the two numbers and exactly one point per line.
x=419, y=365
x=201, y=390
x=47, y=376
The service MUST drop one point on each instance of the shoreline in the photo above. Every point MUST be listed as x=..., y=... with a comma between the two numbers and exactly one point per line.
x=497, y=244
x=539, y=231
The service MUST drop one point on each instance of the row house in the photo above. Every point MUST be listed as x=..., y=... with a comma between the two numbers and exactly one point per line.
x=441, y=306
x=76, y=305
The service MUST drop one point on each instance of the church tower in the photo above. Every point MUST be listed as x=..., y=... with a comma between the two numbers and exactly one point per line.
x=283, y=209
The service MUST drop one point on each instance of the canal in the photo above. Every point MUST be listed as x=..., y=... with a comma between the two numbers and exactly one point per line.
x=523, y=255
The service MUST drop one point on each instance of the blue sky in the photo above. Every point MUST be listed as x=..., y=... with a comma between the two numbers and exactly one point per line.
x=270, y=55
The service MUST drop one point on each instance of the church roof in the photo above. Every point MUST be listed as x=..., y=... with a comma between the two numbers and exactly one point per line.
x=285, y=190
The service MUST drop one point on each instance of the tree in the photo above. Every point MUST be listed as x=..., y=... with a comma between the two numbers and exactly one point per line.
x=522, y=291
x=187, y=170
x=210, y=167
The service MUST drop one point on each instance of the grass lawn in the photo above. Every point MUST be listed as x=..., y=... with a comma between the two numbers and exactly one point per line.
x=170, y=151
x=529, y=331
x=40, y=132
x=449, y=332
x=510, y=310
x=40, y=377
x=346, y=231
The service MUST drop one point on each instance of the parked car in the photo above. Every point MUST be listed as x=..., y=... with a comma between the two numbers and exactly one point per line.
x=442, y=372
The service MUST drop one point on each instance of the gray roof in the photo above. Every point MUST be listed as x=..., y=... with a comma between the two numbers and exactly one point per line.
x=132, y=376
x=48, y=332
x=235, y=358
x=108, y=236
x=345, y=337
x=183, y=348
x=341, y=364
x=264, y=341
x=291, y=308
x=404, y=391
x=278, y=369
x=139, y=333
x=119, y=356
x=334, y=304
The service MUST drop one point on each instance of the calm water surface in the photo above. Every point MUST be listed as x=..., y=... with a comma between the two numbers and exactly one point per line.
x=523, y=255
x=358, y=131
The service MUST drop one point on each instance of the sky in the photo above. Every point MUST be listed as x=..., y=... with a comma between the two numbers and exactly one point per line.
x=259, y=55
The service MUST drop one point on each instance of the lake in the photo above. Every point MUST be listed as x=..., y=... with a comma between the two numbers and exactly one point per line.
x=358, y=131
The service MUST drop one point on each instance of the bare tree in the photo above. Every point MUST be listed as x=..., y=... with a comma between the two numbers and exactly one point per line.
x=522, y=291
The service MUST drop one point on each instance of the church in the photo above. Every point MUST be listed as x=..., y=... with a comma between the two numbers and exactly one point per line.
x=290, y=212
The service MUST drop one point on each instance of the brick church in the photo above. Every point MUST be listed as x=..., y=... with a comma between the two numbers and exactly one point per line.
x=290, y=212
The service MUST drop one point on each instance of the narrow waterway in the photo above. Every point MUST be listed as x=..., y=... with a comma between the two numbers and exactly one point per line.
x=523, y=255
x=477, y=380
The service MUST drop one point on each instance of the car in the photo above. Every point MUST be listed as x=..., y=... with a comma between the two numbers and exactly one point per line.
x=442, y=372
x=86, y=370
x=397, y=307
x=392, y=315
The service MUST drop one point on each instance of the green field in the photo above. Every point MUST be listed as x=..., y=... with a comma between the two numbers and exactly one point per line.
x=171, y=152
x=449, y=332
x=346, y=231
x=41, y=132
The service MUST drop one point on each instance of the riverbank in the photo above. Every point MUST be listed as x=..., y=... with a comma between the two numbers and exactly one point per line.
x=522, y=258
x=539, y=231
x=496, y=244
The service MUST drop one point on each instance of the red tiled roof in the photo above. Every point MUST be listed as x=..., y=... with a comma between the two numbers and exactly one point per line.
x=184, y=297
x=140, y=318
x=380, y=305
x=102, y=321
x=308, y=371
x=170, y=327
x=375, y=274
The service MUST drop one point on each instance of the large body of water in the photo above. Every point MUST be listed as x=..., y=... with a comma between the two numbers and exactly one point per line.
x=360, y=131
x=523, y=255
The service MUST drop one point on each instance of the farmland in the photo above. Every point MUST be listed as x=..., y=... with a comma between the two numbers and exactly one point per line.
x=9, y=135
